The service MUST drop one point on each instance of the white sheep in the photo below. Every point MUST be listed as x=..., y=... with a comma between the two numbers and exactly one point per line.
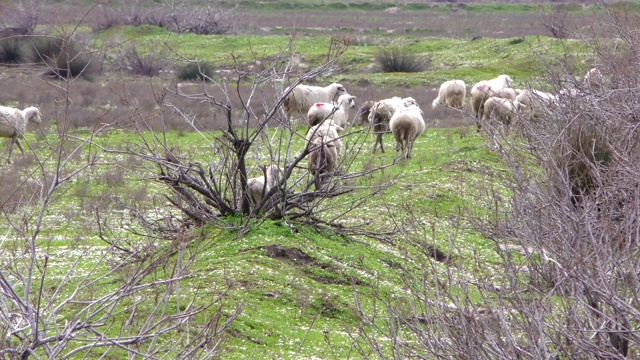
x=535, y=102
x=593, y=79
x=364, y=111
x=504, y=93
x=484, y=89
x=329, y=131
x=302, y=97
x=323, y=158
x=339, y=112
x=381, y=114
x=501, y=109
x=406, y=125
x=452, y=93
x=13, y=123
x=258, y=186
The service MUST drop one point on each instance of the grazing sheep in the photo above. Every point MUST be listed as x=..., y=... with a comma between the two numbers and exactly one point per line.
x=451, y=93
x=328, y=130
x=381, y=114
x=534, y=102
x=484, y=89
x=364, y=111
x=406, y=125
x=323, y=158
x=501, y=109
x=258, y=186
x=339, y=112
x=593, y=79
x=302, y=97
x=13, y=123
x=504, y=93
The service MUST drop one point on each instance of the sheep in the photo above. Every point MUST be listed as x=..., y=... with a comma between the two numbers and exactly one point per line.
x=364, y=111
x=323, y=158
x=452, y=93
x=593, y=79
x=406, y=125
x=535, y=101
x=504, y=93
x=302, y=97
x=482, y=90
x=381, y=114
x=339, y=113
x=257, y=186
x=501, y=109
x=13, y=123
x=329, y=130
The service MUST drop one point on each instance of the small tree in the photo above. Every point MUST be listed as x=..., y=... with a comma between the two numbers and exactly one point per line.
x=567, y=235
x=122, y=299
x=207, y=193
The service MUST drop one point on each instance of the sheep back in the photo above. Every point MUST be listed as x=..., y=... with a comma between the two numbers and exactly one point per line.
x=302, y=97
x=451, y=93
x=501, y=109
x=327, y=130
x=12, y=122
x=323, y=157
x=257, y=187
x=406, y=125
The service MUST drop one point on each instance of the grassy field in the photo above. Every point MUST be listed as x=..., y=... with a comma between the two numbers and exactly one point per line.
x=296, y=303
x=294, y=291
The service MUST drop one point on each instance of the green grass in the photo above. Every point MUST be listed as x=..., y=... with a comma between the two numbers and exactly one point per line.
x=292, y=308
x=450, y=58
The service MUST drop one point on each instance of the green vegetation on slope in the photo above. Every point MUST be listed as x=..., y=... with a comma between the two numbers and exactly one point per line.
x=296, y=286
x=449, y=58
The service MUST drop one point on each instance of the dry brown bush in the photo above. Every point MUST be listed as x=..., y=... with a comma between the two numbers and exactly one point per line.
x=567, y=234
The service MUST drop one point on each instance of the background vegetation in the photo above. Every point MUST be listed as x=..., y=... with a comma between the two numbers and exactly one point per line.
x=474, y=248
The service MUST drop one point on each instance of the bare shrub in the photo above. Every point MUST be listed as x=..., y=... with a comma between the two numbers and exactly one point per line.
x=564, y=224
x=254, y=136
x=196, y=71
x=64, y=297
x=398, y=58
x=149, y=65
x=65, y=58
x=556, y=21
x=11, y=51
x=209, y=19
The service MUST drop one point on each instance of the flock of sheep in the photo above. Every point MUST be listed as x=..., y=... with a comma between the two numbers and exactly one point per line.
x=489, y=99
x=492, y=99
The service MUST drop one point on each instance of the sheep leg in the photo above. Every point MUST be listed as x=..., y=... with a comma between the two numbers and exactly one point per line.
x=17, y=141
x=10, y=149
x=378, y=141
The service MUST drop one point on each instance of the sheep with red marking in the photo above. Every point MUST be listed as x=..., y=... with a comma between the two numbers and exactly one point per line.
x=339, y=112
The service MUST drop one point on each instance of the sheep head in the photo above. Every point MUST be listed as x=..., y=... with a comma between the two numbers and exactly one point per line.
x=32, y=113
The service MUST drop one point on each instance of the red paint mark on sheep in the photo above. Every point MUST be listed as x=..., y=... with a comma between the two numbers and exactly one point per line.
x=319, y=104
